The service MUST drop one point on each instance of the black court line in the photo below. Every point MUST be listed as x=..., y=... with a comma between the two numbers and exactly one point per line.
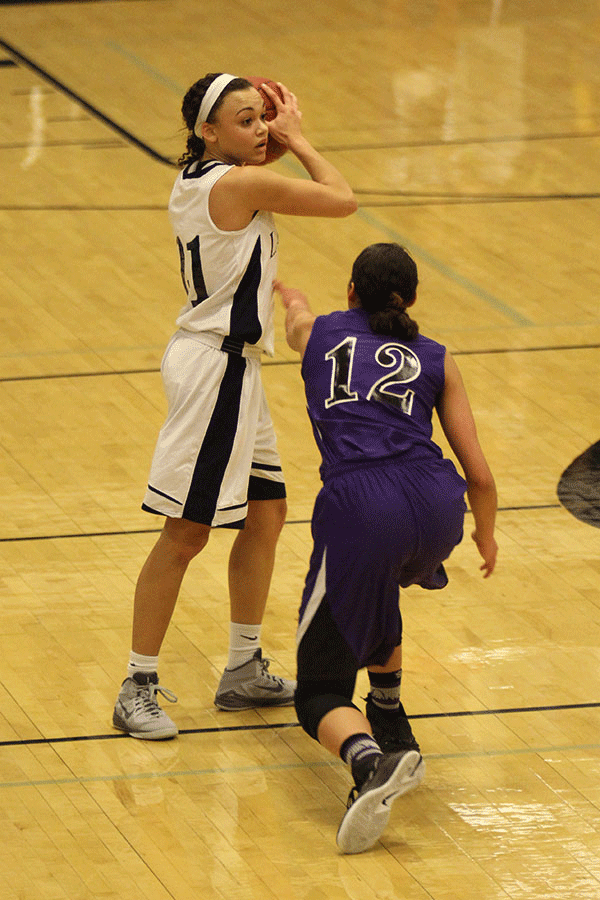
x=545, y=348
x=434, y=200
x=28, y=742
x=408, y=198
x=289, y=362
x=49, y=2
x=57, y=375
x=93, y=110
x=125, y=532
x=72, y=207
x=82, y=534
x=107, y=143
x=526, y=508
x=467, y=199
x=388, y=193
x=461, y=142
x=294, y=362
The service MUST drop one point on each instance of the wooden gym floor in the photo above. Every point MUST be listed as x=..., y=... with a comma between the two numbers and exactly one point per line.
x=470, y=130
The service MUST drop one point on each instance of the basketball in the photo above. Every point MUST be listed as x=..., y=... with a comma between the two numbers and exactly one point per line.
x=275, y=149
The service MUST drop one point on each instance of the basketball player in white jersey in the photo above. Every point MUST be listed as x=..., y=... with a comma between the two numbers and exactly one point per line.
x=216, y=462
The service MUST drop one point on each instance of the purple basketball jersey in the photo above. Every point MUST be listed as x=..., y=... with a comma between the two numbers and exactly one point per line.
x=370, y=397
x=391, y=508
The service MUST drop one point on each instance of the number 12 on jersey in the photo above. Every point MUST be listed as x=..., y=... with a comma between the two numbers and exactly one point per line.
x=406, y=367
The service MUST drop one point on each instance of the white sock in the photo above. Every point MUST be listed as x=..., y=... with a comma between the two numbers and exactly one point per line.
x=244, y=641
x=139, y=663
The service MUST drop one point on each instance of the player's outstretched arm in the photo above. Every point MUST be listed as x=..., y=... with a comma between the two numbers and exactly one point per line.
x=299, y=318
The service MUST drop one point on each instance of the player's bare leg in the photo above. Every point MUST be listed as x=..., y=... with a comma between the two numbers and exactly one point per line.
x=137, y=711
x=251, y=563
x=252, y=560
x=160, y=580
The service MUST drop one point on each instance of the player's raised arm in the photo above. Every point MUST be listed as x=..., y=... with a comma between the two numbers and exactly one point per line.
x=327, y=194
x=286, y=127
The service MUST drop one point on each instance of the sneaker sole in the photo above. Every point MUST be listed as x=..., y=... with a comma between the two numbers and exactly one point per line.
x=160, y=734
x=236, y=703
x=366, y=819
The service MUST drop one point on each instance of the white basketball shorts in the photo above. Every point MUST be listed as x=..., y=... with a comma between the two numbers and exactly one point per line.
x=217, y=448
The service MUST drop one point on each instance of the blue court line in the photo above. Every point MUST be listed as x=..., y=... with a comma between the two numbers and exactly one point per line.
x=283, y=767
x=466, y=284
x=146, y=68
x=393, y=235
x=430, y=260
x=445, y=270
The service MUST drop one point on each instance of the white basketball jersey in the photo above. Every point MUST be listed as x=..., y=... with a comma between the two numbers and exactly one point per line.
x=228, y=275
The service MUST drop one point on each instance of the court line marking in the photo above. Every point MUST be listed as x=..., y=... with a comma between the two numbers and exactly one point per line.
x=125, y=532
x=433, y=262
x=475, y=200
x=466, y=284
x=271, y=726
x=445, y=270
x=146, y=68
x=106, y=120
x=282, y=767
x=481, y=294
x=466, y=141
x=50, y=376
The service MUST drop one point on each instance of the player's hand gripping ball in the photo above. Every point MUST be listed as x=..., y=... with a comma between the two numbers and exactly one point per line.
x=275, y=149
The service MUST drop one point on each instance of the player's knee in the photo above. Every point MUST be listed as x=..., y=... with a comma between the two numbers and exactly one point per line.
x=186, y=539
x=311, y=707
x=267, y=517
x=279, y=515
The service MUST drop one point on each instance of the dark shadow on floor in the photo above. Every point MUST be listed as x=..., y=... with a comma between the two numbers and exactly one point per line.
x=579, y=486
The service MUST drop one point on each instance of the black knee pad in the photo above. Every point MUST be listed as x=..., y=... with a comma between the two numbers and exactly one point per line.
x=314, y=700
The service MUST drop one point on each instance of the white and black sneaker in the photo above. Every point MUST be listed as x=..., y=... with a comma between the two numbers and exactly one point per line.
x=137, y=711
x=370, y=805
x=251, y=685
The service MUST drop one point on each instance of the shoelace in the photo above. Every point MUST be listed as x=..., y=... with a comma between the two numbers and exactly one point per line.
x=146, y=698
x=265, y=665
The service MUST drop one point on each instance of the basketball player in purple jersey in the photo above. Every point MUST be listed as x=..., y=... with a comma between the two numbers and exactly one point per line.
x=216, y=463
x=389, y=513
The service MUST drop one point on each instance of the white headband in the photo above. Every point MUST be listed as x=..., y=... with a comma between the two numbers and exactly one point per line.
x=214, y=91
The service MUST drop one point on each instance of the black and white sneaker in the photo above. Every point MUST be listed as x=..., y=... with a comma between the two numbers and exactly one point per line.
x=137, y=711
x=370, y=805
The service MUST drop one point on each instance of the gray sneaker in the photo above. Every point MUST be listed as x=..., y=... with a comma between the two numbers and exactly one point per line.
x=369, y=807
x=137, y=711
x=251, y=685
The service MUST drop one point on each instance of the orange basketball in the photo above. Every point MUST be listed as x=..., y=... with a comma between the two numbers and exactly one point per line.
x=275, y=149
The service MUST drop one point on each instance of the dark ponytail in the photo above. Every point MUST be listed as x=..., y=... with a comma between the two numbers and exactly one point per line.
x=191, y=106
x=385, y=281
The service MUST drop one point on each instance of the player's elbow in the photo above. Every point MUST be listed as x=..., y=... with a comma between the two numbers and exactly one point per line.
x=348, y=206
x=343, y=204
x=482, y=483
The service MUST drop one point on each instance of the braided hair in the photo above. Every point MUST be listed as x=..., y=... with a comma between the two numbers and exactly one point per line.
x=385, y=282
x=191, y=106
